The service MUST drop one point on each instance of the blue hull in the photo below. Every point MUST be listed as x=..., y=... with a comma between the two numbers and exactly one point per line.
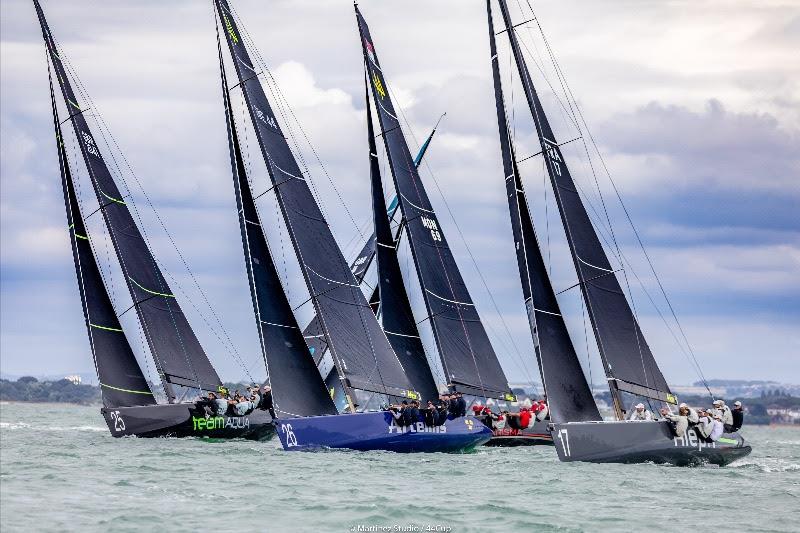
x=378, y=431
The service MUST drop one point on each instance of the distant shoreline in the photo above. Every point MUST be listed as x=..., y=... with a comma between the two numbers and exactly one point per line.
x=13, y=402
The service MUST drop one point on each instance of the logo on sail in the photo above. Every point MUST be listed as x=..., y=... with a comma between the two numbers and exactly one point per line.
x=231, y=31
x=370, y=50
x=91, y=147
x=378, y=85
x=266, y=119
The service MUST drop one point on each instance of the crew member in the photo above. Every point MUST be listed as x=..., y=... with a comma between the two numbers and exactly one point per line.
x=266, y=401
x=738, y=416
x=718, y=429
x=680, y=421
x=524, y=418
x=640, y=414
x=544, y=411
x=412, y=413
x=429, y=414
x=724, y=413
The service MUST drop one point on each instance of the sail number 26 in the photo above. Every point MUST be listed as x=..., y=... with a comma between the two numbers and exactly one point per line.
x=431, y=225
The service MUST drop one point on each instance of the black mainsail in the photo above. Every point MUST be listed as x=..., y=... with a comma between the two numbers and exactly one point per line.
x=568, y=394
x=178, y=355
x=396, y=314
x=122, y=383
x=469, y=361
x=362, y=354
x=297, y=387
x=627, y=359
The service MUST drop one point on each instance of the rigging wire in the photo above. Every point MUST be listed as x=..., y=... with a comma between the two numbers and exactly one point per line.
x=578, y=114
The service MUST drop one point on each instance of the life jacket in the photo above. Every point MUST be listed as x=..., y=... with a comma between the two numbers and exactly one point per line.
x=524, y=418
x=500, y=422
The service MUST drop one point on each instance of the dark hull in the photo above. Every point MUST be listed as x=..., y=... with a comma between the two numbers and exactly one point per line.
x=184, y=420
x=639, y=442
x=377, y=431
x=538, y=435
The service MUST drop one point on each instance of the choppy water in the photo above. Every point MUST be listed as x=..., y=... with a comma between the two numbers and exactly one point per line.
x=61, y=470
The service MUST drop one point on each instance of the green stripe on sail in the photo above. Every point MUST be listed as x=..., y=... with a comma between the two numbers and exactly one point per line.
x=84, y=237
x=76, y=106
x=145, y=289
x=126, y=390
x=110, y=198
x=105, y=328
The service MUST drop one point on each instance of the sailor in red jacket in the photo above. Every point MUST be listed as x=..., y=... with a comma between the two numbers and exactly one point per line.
x=524, y=417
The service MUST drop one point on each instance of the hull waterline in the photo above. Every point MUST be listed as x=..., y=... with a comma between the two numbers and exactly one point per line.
x=185, y=420
x=639, y=442
x=378, y=431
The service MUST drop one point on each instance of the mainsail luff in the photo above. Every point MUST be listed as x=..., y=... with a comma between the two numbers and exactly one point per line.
x=568, y=394
x=396, y=314
x=122, y=383
x=468, y=358
x=362, y=354
x=297, y=387
x=627, y=359
x=177, y=353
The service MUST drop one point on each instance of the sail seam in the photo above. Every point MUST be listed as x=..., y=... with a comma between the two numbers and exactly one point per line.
x=150, y=291
x=118, y=330
x=451, y=301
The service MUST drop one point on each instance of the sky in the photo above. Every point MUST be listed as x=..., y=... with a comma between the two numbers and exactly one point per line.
x=694, y=106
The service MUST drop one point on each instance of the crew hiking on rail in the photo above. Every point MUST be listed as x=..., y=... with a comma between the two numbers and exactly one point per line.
x=223, y=403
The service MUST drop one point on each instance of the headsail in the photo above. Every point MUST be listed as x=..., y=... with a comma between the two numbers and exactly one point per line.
x=362, y=354
x=297, y=387
x=122, y=383
x=469, y=361
x=178, y=355
x=628, y=361
x=568, y=394
x=396, y=315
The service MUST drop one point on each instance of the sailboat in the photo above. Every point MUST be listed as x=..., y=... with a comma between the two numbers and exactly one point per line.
x=366, y=364
x=129, y=405
x=578, y=431
x=468, y=359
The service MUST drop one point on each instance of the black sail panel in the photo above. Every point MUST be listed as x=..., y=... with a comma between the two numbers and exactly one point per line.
x=297, y=387
x=623, y=348
x=363, y=356
x=122, y=383
x=178, y=354
x=468, y=358
x=569, y=396
x=396, y=314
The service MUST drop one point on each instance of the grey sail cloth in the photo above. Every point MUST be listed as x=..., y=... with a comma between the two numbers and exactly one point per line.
x=469, y=361
x=568, y=394
x=396, y=314
x=122, y=383
x=627, y=358
x=362, y=354
x=177, y=352
x=297, y=387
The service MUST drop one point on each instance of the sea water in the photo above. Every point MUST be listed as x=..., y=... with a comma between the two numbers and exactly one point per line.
x=61, y=470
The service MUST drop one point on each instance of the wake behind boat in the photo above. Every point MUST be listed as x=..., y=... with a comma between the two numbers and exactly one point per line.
x=129, y=405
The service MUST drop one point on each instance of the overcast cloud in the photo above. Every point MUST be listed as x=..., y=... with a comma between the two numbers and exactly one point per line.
x=695, y=107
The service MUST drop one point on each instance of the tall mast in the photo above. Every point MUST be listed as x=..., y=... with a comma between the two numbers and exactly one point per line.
x=362, y=354
x=568, y=394
x=177, y=353
x=469, y=361
x=627, y=359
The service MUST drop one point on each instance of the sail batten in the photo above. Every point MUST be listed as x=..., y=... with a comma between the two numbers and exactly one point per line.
x=569, y=396
x=362, y=354
x=172, y=342
x=625, y=353
x=121, y=378
x=467, y=355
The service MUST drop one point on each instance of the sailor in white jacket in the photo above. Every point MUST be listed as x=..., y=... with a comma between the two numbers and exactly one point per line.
x=640, y=414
